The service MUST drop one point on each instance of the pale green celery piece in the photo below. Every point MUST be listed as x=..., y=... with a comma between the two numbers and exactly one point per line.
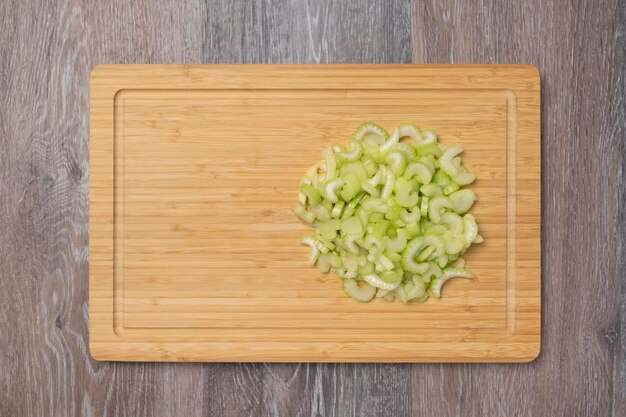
x=396, y=162
x=353, y=153
x=419, y=288
x=363, y=216
x=369, y=188
x=398, y=243
x=349, y=242
x=328, y=229
x=464, y=178
x=454, y=243
x=369, y=165
x=424, y=206
x=412, y=230
x=338, y=209
x=436, y=242
x=336, y=261
x=321, y=212
x=351, y=226
x=392, y=140
x=324, y=262
x=407, y=150
x=411, y=131
x=356, y=168
x=376, y=217
x=428, y=150
x=448, y=165
x=331, y=189
x=376, y=281
x=435, y=229
x=462, y=200
x=421, y=171
x=437, y=204
x=311, y=194
x=331, y=164
x=366, y=269
x=375, y=205
x=429, y=161
x=304, y=215
x=358, y=291
x=314, y=254
x=442, y=179
x=453, y=221
x=374, y=240
x=470, y=229
x=435, y=286
x=425, y=253
x=352, y=186
x=459, y=263
x=408, y=257
x=430, y=137
x=380, y=293
x=390, y=182
x=394, y=257
x=367, y=130
x=326, y=242
x=401, y=294
x=421, y=299
x=350, y=261
x=409, y=217
x=407, y=200
x=390, y=276
x=431, y=190
x=380, y=227
x=451, y=188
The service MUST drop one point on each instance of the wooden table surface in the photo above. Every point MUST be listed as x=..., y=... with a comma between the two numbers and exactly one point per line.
x=47, y=50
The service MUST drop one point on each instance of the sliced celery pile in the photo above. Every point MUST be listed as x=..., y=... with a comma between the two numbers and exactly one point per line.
x=390, y=216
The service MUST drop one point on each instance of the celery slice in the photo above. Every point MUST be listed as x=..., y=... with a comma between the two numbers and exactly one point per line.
x=331, y=164
x=351, y=226
x=359, y=292
x=376, y=281
x=435, y=286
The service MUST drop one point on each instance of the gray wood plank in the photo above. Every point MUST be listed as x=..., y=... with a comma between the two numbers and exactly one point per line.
x=46, y=52
x=307, y=31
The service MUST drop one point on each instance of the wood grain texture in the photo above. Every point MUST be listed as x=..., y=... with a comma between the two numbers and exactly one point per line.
x=47, y=49
x=193, y=248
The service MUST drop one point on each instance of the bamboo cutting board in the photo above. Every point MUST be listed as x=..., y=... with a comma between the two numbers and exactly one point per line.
x=195, y=255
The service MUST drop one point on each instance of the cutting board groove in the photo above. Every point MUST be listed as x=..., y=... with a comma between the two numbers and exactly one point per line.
x=194, y=252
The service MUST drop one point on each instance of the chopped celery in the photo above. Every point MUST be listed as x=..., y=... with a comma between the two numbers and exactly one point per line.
x=331, y=188
x=431, y=190
x=351, y=226
x=435, y=286
x=313, y=197
x=357, y=291
x=304, y=215
x=462, y=200
x=376, y=281
x=389, y=214
x=328, y=229
x=338, y=209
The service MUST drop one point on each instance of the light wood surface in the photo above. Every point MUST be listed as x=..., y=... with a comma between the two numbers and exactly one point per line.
x=47, y=51
x=194, y=249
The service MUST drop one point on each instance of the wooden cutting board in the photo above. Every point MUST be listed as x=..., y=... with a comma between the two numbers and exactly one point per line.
x=195, y=255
